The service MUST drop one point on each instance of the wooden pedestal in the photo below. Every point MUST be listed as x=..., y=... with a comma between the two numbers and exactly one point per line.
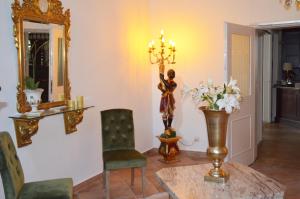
x=169, y=149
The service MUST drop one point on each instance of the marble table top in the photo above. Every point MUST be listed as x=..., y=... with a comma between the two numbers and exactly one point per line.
x=187, y=182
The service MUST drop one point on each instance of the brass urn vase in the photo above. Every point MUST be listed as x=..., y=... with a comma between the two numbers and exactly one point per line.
x=216, y=122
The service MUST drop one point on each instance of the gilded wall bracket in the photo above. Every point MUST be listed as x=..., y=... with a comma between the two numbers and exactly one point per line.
x=27, y=125
x=72, y=118
x=25, y=129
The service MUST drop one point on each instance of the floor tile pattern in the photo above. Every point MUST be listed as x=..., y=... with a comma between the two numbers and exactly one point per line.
x=120, y=180
x=278, y=157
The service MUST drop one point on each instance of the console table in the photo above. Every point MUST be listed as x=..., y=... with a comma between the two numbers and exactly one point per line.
x=27, y=124
x=187, y=182
x=288, y=106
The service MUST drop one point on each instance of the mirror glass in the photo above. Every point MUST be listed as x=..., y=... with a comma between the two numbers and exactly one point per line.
x=44, y=46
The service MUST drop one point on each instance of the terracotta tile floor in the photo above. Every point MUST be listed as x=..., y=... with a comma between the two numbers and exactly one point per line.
x=278, y=158
x=120, y=180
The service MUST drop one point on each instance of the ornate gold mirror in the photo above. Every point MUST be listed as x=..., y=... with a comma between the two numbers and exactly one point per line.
x=41, y=30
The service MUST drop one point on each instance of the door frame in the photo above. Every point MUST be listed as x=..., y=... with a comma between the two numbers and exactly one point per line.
x=259, y=27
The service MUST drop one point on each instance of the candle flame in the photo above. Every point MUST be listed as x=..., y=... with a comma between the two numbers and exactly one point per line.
x=151, y=44
x=172, y=43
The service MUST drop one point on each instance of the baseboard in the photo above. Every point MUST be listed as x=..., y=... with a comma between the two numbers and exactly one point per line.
x=289, y=122
x=259, y=143
x=85, y=183
x=150, y=148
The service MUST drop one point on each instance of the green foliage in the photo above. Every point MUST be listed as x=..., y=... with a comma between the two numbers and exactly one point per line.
x=171, y=135
x=31, y=84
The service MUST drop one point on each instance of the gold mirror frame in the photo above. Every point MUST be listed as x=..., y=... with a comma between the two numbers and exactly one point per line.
x=30, y=10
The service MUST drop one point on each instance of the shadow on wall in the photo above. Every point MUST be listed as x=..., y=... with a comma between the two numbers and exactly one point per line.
x=178, y=103
x=3, y=105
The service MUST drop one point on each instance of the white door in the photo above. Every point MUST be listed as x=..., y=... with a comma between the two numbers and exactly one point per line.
x=240, y=65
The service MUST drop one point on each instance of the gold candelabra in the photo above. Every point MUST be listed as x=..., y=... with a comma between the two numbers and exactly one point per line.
x=166, y=54
x=288, y=3
x=161, y=56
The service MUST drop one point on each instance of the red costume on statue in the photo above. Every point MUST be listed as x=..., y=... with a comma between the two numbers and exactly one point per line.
x=167, y=103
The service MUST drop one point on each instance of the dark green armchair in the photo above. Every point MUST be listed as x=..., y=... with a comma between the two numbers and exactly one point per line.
x=118, y=145
x=13, y=177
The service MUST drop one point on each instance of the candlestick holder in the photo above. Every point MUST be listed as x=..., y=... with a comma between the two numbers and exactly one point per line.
x=160, y=57
x=166, y=55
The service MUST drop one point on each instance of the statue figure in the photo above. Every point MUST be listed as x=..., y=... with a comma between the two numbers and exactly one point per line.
x=167, y=103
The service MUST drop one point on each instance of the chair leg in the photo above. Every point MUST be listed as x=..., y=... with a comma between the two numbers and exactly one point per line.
x=143, y=180
x=107, y=184
x=132, y=177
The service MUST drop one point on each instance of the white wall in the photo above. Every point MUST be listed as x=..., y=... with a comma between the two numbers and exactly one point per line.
x=197, y=27
x=108, y=65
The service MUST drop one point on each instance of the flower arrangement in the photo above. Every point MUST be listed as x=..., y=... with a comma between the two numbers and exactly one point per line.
x=214, y=97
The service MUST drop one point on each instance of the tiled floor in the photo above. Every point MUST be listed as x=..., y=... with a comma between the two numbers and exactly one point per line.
x=279, y=157
x=120, y=180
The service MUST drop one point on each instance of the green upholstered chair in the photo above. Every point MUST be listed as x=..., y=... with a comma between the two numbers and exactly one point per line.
x=118, y=145
x=13, y=177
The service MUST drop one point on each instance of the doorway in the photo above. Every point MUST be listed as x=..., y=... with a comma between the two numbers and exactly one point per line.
x=279, y=63
x=278, y=77
x=277, y=110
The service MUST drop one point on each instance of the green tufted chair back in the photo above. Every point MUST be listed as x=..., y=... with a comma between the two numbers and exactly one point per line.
x=117, y=129
x=10, y=167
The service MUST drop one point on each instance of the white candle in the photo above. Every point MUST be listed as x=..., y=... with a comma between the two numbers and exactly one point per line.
x=79, y=100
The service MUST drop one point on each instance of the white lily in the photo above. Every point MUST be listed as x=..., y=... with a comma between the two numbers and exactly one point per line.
x=215, y=96
x=233, y=85
x=228, y=103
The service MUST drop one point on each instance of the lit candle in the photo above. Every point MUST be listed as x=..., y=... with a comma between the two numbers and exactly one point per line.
x=173, y=45
x=162, y=39
x=151, y=46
